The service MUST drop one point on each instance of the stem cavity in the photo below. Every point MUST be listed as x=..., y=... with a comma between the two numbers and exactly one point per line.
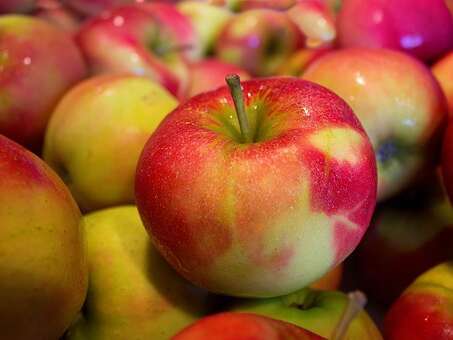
x=234, y=83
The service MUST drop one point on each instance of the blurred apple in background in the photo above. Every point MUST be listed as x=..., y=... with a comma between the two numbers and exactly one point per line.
x=34, y=74
x=399, y=103
x=424, y=310
x=443, y=71
x=245, y=5
x=299, y=61
x=259, y=41
x=17, y=6
x=151, y=40
x=43, y=276
x=58, y=15
x=134, y=294
x=97, y=132
x=95, y=7
x=447, y=160
x=423, y=28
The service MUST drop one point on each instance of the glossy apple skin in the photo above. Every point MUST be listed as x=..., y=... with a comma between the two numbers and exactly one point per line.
x=43, y=270
x=408, y=235
x=399, y=103
x=422, y=28
x=17, y=6
x=35, y=73
x=243, y=326
x=447, y=160
x=443, y=71
x=233, y=217
x=134, y=293
x=121, y=109
x=424, y=310
x=145, y=40
x=259, y=41
x=209, y=74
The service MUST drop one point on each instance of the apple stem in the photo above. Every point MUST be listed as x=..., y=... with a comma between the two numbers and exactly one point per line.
x=357, y=302
x=234, y=83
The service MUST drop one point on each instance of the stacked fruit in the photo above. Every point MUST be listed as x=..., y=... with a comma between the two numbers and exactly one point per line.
x=226, y=169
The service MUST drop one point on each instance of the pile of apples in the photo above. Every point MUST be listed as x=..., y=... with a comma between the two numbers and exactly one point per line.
x=226, y=169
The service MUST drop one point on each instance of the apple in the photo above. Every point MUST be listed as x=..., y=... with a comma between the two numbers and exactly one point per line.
x=423, y=28
x=243, y=326
x=17, y=6
x=245, y=5
x=56, y=14
x=424, y=311
x=134, y=294
x=34, y=74
x=443, y=71
x=97, y=132
x=320, y=312
x=298, y=62
x=259, y=41
x=261, y=207
x=447, y=160
x=42, y=264
x=152, y=40
x=95, y=7
x=331, y=280
x=209, y=74
x=399, y=103
x=409, y=234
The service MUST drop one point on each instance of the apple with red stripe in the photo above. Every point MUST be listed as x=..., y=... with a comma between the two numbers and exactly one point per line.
x=260, y=205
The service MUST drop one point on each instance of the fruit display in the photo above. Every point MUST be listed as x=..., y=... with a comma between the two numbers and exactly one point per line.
x=226, y=169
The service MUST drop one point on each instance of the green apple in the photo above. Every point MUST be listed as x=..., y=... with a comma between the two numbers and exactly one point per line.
x=97, y=132
x=133, y=293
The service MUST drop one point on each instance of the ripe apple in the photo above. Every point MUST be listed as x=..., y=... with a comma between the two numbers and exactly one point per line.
x=42, y=264
x=443, y=71
x=17, y=6
x=399, y=103
x=97, y=132
x=243, y=326
x=299, y=61
x=134, y=294
x=259, y=41
x=424, y=310
x=34, y=74
x=320, y=312
x=209, y=74
x=263, y=207
x=447, y=160
x=423, y=28
x=152, y=40
x=58, y=15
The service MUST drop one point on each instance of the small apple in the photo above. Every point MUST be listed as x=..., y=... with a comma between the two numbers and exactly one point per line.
x=261, y=205
x=447, y=160
x=443, y=71
x=399, y=103
x=424, y=310
x=134, y=294
x=423, y=28
x=97, y=132
x=42, y=263
x=34, y=74
x=259, y=41
x=17, y=6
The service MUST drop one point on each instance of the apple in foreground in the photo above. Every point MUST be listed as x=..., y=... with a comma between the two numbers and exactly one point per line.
x=424, y=310
x=244, y=326
x=399, y=103
x=443, y=71
x=134, y=293
x=447, y=160
x=35, y=73
x=261, y=207
x=97, y=132
x=42, y=264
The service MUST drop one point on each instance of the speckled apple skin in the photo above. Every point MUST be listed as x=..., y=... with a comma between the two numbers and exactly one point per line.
x=43, y=273
x=443, y=71
x=34, y=74
x=399, y=103
x=260, y=219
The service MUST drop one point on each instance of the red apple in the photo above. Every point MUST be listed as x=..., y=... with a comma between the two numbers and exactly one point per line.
x=447, y=160
x=17, y=6
x=56, y=14
x=243, y=326
x=34, y=74
x=443, y=71
x=264, y=209
x=423, y=28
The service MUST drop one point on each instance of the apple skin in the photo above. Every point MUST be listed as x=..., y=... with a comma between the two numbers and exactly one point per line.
x=145, y=40
x=259, y=41
x=399, y=103
x=331, y=280
x=243, y=326
x=17, y=6
x=35, y=73
x=245, y=5
x=42, y=264
x=58, y=15
x=134, y=293
x=95, y=7
x=408, y=235
x=424, y=311
x=422, y=28
x=209, y=74
x=447, y=160
x=299, y=61
x=316, y=311
x=443, y=71
x=233, y=217
x=127, y=109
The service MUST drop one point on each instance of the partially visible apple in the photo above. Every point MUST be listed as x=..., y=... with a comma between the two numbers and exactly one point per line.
x=443, y=71
x=95, y=7
x=97, y=132
x=298, y=62
x=331, y=280
x=58, y=15
x=245, y=5
x=447, y=160
x=17, y=6
x=134, y=294
x=43, y=273
x=399, y=103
